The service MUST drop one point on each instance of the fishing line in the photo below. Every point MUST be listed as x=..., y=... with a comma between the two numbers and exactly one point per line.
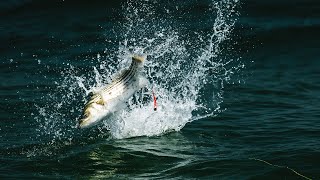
x=279, y=166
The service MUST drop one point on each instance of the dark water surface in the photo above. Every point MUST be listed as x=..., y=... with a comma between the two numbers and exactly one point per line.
x=267, y=110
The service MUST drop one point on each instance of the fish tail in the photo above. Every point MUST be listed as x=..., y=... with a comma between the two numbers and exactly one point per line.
x=138, y=59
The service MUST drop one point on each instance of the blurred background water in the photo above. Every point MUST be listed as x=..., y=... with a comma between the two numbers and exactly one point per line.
x=251, y=66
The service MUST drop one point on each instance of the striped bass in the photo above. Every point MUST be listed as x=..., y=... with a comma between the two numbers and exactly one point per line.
x=113, y=96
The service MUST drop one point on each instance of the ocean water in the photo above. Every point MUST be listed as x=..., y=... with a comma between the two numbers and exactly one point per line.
x=237, y=83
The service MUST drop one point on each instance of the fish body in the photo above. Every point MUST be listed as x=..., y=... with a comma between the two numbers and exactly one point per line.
x=113, y=96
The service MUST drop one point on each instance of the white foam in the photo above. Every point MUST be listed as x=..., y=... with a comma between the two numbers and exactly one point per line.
x=181, y=75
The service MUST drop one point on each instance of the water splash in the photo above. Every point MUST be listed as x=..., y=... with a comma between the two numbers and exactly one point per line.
x=188, y=74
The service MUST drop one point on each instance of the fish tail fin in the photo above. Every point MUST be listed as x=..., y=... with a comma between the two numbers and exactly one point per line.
x=138, y=59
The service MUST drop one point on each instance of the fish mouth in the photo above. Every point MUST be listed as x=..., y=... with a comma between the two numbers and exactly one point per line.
x=88, y=121
x=84, y=122
x=81, y=123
